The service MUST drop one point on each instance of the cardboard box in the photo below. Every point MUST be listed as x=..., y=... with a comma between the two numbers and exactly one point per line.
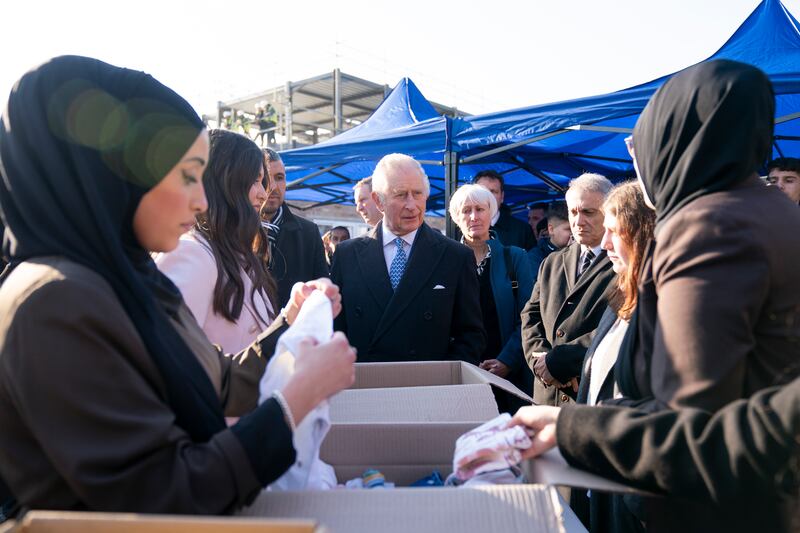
x=508, y=509
x=82, y=522
x=430, y=373
x=404, y=418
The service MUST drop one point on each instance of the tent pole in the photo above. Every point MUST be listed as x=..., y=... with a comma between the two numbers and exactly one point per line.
x=295, y=183
x=450, y=185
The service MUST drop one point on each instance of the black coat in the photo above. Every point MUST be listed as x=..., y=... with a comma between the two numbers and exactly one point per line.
x=561, y=316
x=512, y=231
x=600, y=511
x=299, y=255
x=737, y=470
x=417, y=322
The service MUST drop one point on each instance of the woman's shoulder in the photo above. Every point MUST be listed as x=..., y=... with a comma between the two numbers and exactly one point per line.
x=55, y=283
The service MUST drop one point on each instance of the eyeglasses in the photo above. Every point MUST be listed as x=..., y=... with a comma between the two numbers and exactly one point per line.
x=629, y=146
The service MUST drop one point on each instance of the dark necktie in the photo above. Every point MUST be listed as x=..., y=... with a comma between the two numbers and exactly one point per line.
x=587, y=261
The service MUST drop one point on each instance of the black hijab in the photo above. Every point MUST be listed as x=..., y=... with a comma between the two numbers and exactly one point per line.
x=81, y=142
x=706, y=129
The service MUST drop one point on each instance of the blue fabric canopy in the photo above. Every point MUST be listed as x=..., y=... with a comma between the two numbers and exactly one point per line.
x=539, y=148
x=587, y=134
x=405, y=122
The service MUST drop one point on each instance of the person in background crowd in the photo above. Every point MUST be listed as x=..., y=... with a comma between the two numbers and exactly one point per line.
x=536, y=212
x=295, y=246
x=559, y=234
x=629, y=225
x=541, y=230
x=509, y=230
x=784, y=173
x=365, y=205
x=717, y=316
x=124, y=395
x=224, y=282
x=332, y=238
x=505, y=281
x=408, y=292
x=569, y=297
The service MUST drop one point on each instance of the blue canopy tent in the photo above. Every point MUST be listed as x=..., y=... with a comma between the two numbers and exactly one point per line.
x=564, y=139
x=538, y=148
x=405, y=121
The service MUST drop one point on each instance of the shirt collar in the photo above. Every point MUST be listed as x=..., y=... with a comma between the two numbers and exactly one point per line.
x=389, y=237
x=595, y=249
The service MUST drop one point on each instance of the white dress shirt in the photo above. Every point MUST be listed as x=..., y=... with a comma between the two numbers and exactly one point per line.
x=389, y=247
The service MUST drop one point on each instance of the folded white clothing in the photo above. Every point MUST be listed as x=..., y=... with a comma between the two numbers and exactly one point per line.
x=309, y=472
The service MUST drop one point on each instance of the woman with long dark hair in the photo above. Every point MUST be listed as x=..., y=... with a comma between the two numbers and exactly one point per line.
x=220, y=266
x=111, y=397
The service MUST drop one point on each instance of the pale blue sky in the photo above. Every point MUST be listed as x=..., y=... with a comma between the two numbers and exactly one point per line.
x=480, y=56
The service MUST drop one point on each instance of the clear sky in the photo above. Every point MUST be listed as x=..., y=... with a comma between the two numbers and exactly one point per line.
x=480, y=56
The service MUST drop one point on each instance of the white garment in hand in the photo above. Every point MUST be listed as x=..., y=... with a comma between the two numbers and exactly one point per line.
x=309, y=472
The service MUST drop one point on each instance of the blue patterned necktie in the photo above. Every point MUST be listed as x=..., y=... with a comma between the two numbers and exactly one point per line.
x=398, y=264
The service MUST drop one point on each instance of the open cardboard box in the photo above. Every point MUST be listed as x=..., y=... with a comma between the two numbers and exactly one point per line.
x=405, y=417
x=84, y=522
x=508, y=508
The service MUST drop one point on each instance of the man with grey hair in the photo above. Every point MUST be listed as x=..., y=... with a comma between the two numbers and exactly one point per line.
x=569, y=297
x=408, y=292
x=296, y=252
x=365, y=205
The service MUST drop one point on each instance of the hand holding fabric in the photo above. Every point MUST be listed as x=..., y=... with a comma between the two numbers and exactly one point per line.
x=539, y=420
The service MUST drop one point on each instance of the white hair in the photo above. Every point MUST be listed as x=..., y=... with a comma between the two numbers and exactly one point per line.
x=591, y=183
x=391, y=164
x=472, y=193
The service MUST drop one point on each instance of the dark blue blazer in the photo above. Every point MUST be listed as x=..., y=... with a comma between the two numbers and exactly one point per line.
x=435, y=312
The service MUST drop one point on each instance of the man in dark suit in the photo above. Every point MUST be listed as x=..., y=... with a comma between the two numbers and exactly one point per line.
x=510, y=231
x=569, y=297
x=296, y=251
x=408, y=292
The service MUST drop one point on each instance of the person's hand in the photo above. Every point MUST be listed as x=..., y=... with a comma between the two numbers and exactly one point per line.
x=540, y=371
x=320, y=371
x=495, y=367
x=301, y=291
x=573, y=383
x=539, y=420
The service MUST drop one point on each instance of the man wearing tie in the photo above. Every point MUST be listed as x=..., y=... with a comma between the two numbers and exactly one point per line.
x=569, y=297
x=408, y=292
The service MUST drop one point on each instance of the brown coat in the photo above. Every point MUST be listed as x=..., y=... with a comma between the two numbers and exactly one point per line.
x=719, y=305
x=84, y=421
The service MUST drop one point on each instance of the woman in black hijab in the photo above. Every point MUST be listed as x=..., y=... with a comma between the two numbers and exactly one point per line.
x=111, y=398
x=718, y=318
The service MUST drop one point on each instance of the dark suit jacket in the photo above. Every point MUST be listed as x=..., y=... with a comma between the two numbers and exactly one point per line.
x=416, y=322
x=299, y=255
x=737, y=470
x=512, y=231
x=719, y=301
x=561, y=316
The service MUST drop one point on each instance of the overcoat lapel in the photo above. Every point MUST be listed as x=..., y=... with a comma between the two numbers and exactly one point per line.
x=571, y=266
x=425, y=255
x=372, y=264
